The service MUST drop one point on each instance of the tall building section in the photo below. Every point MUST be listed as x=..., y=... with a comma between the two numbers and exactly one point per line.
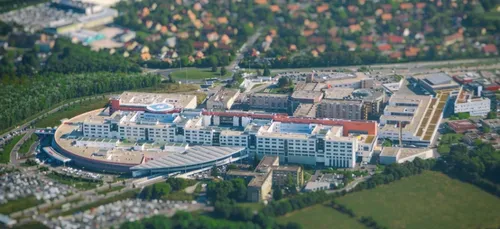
x=475, y=106
x=223, y=99
x=412, y=119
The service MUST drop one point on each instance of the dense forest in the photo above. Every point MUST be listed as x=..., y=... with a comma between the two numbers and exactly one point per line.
x=66, y=58
x=27, y=97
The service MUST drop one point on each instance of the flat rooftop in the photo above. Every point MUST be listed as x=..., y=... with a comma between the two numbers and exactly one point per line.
x=338, y=93
x=145, y=99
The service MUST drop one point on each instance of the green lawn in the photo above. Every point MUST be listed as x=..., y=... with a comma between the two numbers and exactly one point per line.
x=25, y=147
x=197, y=74
x=78, y=183
x=19, y=205
x=5, y=154
x=71, y=111
x=321, y=217
x=429, y=200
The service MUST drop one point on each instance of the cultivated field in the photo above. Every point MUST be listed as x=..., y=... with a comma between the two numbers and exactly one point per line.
x=430, y=200
x=321, y=217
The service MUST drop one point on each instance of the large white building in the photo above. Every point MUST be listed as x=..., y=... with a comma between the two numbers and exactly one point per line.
x=412, y=119
x=294, y=142
x=474, y=106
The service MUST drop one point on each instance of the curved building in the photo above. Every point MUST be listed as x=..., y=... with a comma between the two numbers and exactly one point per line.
x=142, y=157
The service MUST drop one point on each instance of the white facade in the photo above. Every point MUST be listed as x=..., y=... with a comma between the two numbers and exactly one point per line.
x=294, y=142
x=475, y=107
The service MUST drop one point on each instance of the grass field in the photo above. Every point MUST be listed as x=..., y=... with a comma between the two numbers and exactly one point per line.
x=71, y=111
x=429, y=200
x=5, y=154
x=25, y=147
x=321, y=217
x=19, y=205
x=197, y=74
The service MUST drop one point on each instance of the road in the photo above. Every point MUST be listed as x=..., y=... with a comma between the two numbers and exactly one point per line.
x=350, y=186
x=244, y=48
x=14, y=153
x=411, y=66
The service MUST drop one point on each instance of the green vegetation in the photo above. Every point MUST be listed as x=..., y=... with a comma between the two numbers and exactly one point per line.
x=172, y=189
x=9, y=5
x=197, y=74
x=429, y=200
x=387, y=143
x=77, y=182
x=447, y=140
x=25, y=147
x=20, y=98
x=320, y=216
x=72, y=58
x=5, y=154
x=121, y=196
x=460, y=116
x=71, y=111
x=19, y=205
x=253, y=206
x=108, y=190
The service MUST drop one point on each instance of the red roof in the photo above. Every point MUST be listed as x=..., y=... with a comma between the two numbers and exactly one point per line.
x=368, y=126
x=490, y=48
x=384, y=47
x=395, y=39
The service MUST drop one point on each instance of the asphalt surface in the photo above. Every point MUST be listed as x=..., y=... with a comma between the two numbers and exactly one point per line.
x=14, y=157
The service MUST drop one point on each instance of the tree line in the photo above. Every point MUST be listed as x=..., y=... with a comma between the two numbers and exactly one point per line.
x=479, y=166
x=66, y=58
x=25, y=97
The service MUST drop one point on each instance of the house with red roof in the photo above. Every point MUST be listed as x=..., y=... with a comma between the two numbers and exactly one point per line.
x=384, y=47
x=490, y=49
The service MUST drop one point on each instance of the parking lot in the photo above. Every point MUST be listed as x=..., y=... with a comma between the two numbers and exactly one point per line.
x=127, y=210
x=16, y=185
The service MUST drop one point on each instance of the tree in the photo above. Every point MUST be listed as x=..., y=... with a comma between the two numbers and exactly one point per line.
x=214, y=68
x=277, y=193
x=214, y=172
x=223, y=71
x=442, y=149
x=491, y=115
x=267, y=72
x=387, y=143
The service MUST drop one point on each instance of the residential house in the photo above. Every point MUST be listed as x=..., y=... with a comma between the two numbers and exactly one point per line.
x=490, y=49
x=354, y=28
x=213, y=36
x=200, y=45
x=406, y=6
x=274, y=8
x=322, y=8
x=384, y=48
x=454, y=38
x=386, y=17
x=396, y=55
